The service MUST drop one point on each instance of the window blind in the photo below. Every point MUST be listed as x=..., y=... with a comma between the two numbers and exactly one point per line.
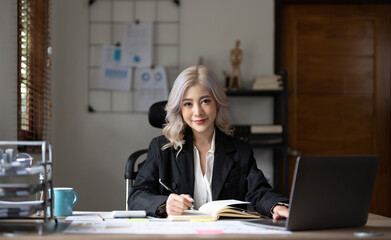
x=34, y=89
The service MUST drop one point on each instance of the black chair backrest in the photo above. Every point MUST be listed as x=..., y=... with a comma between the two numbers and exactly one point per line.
x=157, y=118
x=157, y=114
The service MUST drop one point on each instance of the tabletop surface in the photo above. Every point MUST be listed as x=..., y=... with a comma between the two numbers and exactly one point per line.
x=378, y=225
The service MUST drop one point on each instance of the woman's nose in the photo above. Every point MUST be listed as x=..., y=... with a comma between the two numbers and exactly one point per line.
x=198, y=109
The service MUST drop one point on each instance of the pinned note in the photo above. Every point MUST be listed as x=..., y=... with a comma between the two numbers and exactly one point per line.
x=113, y=75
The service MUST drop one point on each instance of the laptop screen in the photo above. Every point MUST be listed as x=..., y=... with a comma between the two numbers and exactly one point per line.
x=331, y=191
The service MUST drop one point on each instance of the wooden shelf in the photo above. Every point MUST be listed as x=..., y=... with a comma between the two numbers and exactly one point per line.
x=276, y=141
x=254, y=93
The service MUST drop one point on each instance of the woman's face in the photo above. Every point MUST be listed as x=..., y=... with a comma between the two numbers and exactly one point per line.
x=199, y=109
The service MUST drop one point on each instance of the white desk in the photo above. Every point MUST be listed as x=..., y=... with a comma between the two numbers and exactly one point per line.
x=375, y=223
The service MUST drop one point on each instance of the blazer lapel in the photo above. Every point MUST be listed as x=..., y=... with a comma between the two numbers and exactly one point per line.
x=185, y=161
x=223, y=162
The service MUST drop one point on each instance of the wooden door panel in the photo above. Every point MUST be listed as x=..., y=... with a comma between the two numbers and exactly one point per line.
x=335, y=106
x=328, y=28
x=364, y=45
x=338, y=10
x=335, y=65
x=335, y=85
x=341, y=147
x=334, y=129
x=338, y=61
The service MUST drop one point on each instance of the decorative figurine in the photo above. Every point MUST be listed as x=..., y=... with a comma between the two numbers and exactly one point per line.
x=236, y=58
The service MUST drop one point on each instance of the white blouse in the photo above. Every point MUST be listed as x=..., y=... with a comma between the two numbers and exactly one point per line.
x=203, y=183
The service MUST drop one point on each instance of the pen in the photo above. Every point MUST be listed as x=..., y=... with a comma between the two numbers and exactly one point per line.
x=100, y=216
x=165, y=186
x=169, y=189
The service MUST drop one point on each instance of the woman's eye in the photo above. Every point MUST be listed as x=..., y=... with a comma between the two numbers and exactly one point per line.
x=206, y=101
x=187, y=104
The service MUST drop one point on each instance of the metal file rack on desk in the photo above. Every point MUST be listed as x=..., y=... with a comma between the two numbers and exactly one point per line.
x=20, y=181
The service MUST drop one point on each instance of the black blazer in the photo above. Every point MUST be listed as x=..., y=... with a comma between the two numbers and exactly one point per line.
x=235, y=175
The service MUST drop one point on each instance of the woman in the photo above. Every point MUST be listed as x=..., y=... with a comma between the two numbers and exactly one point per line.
x=198, y=158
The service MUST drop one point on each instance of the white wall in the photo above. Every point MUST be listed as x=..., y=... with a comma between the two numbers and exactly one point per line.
x=211, y=27
x=8, y=70
x=90, y=150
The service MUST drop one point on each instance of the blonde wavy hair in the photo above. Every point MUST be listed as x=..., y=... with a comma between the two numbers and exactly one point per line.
x=175, y=127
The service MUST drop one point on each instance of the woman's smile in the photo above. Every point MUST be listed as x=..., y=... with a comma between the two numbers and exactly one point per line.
x=199, y=121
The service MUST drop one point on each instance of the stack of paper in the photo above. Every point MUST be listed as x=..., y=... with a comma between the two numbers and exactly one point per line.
x=266, y=129
x=268, y=83
x=19, y=209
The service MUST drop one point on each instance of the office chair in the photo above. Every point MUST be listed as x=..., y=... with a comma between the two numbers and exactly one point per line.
x=157, y=118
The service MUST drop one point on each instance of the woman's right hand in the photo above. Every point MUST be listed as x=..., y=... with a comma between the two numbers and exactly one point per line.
x=176, y=204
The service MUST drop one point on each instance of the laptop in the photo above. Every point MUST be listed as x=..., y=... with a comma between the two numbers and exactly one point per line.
x=328, y=192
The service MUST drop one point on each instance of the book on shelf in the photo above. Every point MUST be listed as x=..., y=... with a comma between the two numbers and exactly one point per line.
x=214, y=210
x=267, y=141
x=254, y=129
x=245, y=130
x=268, y=83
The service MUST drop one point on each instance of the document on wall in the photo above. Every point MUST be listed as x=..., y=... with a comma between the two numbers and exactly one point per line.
x=137, y=44
x=113, y=75
x=150, y=86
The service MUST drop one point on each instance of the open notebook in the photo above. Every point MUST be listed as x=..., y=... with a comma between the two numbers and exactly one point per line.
x=216, y=209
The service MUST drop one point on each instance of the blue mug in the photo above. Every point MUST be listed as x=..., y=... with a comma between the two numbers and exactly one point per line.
x=64, y=200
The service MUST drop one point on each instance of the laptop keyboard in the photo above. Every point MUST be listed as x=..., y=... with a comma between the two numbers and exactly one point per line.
x=262, y=222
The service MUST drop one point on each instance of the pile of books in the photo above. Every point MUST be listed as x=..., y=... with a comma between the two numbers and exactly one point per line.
x=268, y=83
x=266, y=129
